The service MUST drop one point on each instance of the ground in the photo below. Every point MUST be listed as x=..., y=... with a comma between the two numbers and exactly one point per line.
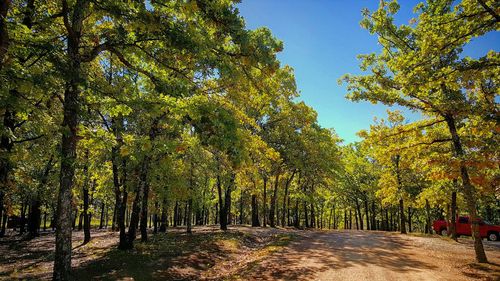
x=245, y=253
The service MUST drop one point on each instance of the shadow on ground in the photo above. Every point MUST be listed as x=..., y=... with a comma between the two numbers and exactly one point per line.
x=339, y=250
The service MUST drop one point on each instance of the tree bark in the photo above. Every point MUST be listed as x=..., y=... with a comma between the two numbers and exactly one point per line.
x=241, y=207
x=374, y=224
x=123, y=243
x=265, y=202
x=287, y=185
x=71, y=110
x=306, y=215
x=6, y=145
x=134, y=217
x=4, y=31
x=255, y=211
x=189, y=215
x=143, y=181
x=163, y=223
x=86, y=221
x=402, y=216
x=367, y=214
x=358, y=213
x=356, y=218
x=272, y=207
x=409, y=219
x=35, y=213
x=224, y=205
x=101, y=220
x=469, y=190
x=452, y=230
x=428, y=227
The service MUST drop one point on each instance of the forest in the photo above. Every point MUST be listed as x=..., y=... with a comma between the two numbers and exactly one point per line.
x=143, y=116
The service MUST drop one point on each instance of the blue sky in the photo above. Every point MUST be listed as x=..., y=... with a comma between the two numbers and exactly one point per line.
x=322, y=39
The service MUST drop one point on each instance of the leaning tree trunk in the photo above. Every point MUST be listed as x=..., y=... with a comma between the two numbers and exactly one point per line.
x=134, y=217
x=469, y=190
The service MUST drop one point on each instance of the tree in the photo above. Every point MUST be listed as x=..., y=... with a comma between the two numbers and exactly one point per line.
x=420, y=68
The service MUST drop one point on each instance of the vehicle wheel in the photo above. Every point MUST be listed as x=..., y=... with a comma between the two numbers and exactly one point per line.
x=492, y=236
x=444, y=232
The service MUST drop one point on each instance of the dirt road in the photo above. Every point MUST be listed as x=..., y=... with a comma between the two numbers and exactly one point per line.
x=246, y=253
x=356, y=255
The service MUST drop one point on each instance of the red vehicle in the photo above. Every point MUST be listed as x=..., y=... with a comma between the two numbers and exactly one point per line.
x=463, y=227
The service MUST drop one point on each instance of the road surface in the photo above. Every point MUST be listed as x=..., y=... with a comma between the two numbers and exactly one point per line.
x=374, y=256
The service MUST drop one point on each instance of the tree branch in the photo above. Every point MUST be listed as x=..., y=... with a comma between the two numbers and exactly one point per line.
x=489, y=10
x=28, y=139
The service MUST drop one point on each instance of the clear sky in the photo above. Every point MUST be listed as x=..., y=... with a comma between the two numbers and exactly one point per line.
x=322, y=39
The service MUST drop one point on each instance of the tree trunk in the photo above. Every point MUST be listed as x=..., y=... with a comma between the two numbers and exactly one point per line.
x=306, y=215
x=34, y=218
x=123, y=244
x=189, y=215
x=287, y=185
x=469, y=190
x=272, y=208
x=402, y=216
x=374, y=225
x=176, y=210
x=134, y=217
x=452, y=230
x=356, y=218
x=409, y=219
x=358, y=213
x=69, y=127
x=313, y=216
x=5, y=217
x=155, y=218
x=428, y=227
x=265, y=202
x=241, y=207
x=101, y=220
x=143, y=181
x=350, y=219
x=367, y=215
x=255, y=211
x=224, y=205
x=4, y=32
x=163, y=223
x=85, y=213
